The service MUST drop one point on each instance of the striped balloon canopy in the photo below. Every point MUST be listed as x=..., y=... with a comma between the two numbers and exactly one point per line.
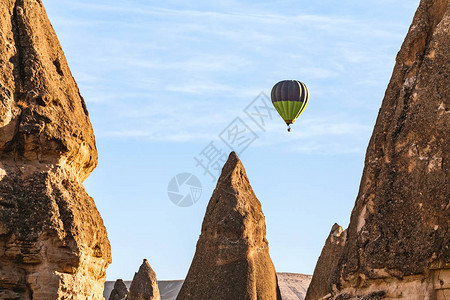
x=290, y=97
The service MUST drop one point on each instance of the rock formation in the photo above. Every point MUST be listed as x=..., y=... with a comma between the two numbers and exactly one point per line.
x=120, y=291
x=326, y=265
x=292, y=287
x=398, y=237
x=232, y=258
x=53, y=244
x=144, y=285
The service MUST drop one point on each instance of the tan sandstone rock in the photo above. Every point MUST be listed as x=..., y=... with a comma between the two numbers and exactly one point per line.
x=398, y=237
x=321, y=282
x=144, y=285
x=120, y=291
x=232, y=258
x=53, y=244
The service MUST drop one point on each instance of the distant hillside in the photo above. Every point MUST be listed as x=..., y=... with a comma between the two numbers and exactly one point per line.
x=292, y=286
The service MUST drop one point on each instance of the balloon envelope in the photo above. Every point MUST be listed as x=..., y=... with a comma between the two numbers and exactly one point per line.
x=290, y=97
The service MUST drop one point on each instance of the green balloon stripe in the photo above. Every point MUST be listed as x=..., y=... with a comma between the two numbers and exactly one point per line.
x=289, y=110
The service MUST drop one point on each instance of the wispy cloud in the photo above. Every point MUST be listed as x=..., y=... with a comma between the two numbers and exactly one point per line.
x=187, y=72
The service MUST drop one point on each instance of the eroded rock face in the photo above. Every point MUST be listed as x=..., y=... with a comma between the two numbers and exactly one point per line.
x=144, y=285
x=53, y=244
x=398, y=237
x=321, y=282
x=120, y=291
x=232, y=258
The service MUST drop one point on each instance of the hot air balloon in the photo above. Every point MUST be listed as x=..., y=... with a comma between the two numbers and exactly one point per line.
x=290, y=97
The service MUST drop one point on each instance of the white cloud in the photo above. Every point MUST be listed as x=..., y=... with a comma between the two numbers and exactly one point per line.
x=180, y=75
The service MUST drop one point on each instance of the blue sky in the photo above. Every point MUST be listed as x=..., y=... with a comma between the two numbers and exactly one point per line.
x=162, y=80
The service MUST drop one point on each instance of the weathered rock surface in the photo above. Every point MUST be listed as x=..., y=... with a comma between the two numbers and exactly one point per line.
x=398, y=237
x=326, y=264
x=168, y=289
x=292, y=286
x=232, y=257
x=53, y=244
x=144, y=285
x=120, y=291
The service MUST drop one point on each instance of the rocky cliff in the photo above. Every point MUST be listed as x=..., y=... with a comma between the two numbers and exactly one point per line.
x=53, y=244
x=144, y=285
x=119, y=292
x=398, y=237
x=326, y=265
x=232, y=257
